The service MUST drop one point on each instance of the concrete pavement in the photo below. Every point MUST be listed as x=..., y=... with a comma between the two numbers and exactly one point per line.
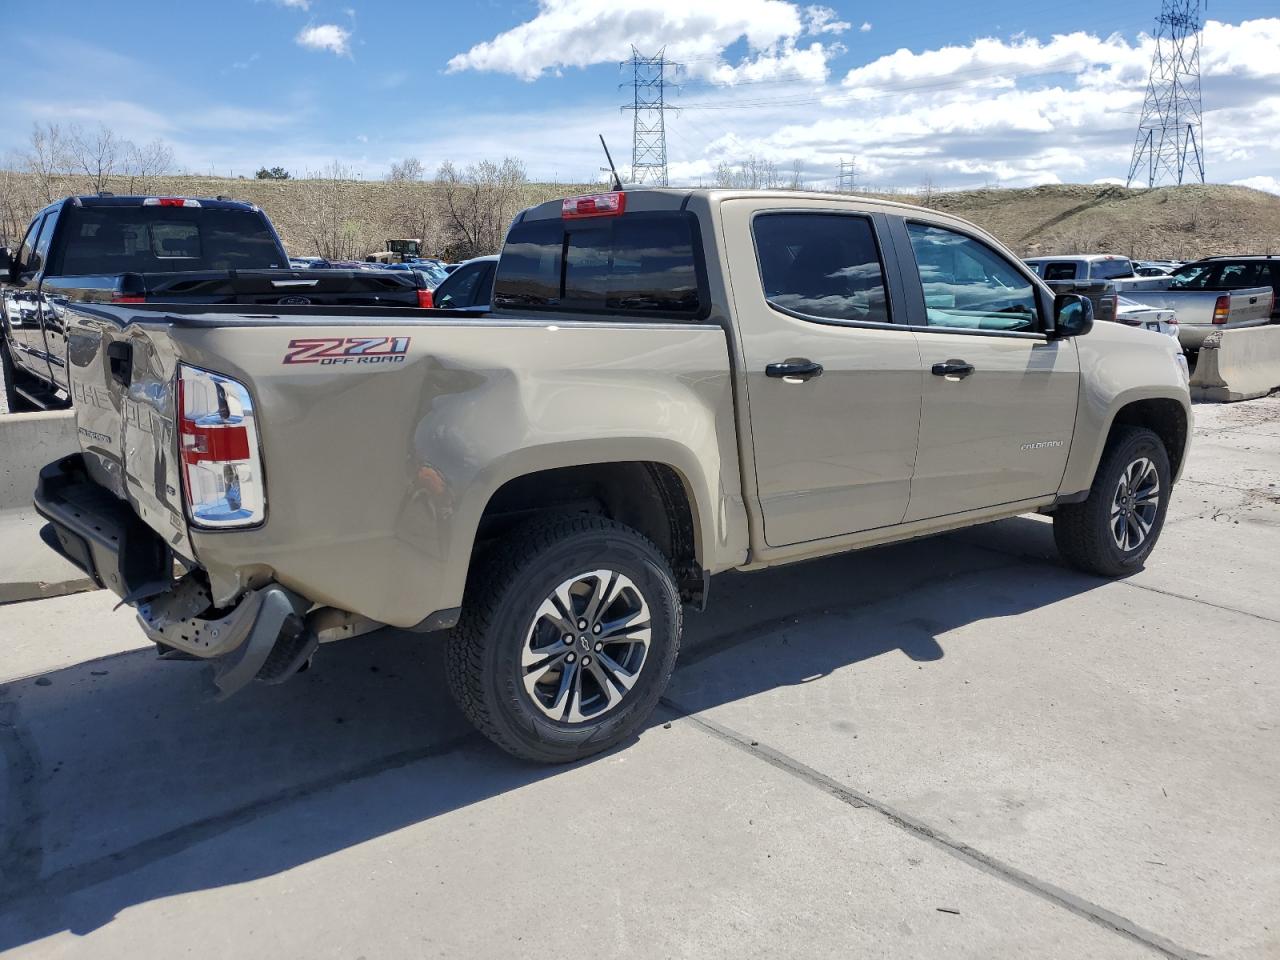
x=954, y=747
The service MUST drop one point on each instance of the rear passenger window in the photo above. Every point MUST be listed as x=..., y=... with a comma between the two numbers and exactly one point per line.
x=821, y=265
x=969, y=286
x=639, y=263
x=1059, y=271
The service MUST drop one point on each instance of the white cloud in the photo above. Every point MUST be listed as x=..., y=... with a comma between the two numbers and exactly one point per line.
x=326, y=36
x=1267, y=183
x=295, y=4
x=1015, y=110
x=866, y=26
x=820, y=20
x=581, y=33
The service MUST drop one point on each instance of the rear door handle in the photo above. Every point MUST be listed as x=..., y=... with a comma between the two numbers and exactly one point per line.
x=794, y=368
x=953, y=369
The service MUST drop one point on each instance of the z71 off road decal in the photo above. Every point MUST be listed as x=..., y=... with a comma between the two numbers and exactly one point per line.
x=330, y=350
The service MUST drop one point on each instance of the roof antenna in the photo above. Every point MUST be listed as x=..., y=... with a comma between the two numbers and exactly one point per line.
x=617, y=181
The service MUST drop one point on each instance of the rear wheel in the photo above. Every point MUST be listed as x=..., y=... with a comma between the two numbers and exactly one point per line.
x=1114, y=531
x=568, y=636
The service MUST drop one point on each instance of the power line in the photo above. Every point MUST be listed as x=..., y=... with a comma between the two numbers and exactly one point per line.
x=649, y=123
x=1170, y=135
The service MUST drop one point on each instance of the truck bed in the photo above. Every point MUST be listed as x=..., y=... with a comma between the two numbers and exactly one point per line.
x=413, y=418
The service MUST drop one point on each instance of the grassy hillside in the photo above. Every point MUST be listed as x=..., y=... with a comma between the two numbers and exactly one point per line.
x=1180, y=222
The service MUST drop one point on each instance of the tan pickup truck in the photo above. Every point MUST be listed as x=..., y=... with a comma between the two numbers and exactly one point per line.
x=670, y=384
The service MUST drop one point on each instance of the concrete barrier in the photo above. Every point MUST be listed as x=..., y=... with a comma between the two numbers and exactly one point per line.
x=1238, y=365
x=27, y=442
x=28, y=568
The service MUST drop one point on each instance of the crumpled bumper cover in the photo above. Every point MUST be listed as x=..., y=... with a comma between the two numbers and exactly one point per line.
x=264, y=636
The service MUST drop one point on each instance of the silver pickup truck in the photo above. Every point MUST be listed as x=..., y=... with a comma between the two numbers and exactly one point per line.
x=670, y=384
x=1220, y=293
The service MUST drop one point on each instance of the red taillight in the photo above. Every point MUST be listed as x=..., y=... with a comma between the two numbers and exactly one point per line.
x=1222, y=310
x=596, y=205
x=424, y=299
x=127, y=298
x=170, y=202
x=202, y=444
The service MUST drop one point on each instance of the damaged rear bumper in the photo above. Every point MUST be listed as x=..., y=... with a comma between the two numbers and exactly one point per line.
x=264, y=637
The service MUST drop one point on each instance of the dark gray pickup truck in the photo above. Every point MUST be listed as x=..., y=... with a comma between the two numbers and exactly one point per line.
x=105, y=249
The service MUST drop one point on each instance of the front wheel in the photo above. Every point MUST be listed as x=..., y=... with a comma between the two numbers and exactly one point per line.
x=568, y=636
x=1114, y=531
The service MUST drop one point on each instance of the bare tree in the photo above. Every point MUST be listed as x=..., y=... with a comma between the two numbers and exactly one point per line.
x=334, y=222
x=46, y=157
x=142, y=164
x=797, y=176
x=17, y=201
x=752, y=173
x=478, y=203
x=926, y=192
x=406, y=170
x=96, y=154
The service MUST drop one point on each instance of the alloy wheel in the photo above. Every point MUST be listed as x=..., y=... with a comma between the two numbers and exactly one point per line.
x=586, y=646
x=1135, y=504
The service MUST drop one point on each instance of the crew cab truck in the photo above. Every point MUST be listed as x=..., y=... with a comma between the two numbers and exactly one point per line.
x=152, y=249
x=1218, y=293
x=670, y=384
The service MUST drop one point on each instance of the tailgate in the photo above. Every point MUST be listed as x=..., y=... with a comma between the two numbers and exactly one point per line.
x=1252, y=305
x=122, y=389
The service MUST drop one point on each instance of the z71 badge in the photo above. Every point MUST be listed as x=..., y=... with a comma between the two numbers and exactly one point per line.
x=331, y=350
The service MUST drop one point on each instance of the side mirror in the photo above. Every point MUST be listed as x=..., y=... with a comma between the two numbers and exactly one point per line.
x=6, y=262
x=1072, y=315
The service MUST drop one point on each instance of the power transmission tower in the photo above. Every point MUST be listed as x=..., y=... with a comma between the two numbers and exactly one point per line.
x=649, y=108
x=848, y=180
x=1170, y=143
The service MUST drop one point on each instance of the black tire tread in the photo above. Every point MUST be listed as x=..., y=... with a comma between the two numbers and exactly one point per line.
x=464, y=661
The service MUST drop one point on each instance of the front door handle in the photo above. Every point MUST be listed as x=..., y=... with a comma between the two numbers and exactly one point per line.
x=794, y=368
x=953, y=369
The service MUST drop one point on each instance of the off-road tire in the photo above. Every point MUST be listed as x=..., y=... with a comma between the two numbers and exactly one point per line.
x=1082, y=531
x=503, y=595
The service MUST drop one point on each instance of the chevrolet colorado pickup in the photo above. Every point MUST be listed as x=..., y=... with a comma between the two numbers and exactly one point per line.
x=152, y=249
x=670, y=384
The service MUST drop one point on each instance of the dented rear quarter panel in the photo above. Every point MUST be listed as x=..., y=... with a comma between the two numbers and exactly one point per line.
x=377, y=474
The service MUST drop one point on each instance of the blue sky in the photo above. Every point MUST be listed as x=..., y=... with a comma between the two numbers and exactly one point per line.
x=930, y=90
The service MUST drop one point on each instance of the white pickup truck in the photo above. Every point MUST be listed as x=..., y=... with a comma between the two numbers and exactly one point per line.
x=670, y=384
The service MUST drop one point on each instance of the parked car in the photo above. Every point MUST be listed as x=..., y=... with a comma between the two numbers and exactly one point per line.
x=1147, y=268
x=470, y=287
x=671, y=384
x=1133, y=314
x=1220, y=293
x=136, y=250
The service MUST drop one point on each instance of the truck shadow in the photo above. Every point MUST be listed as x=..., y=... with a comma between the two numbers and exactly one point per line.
x=125, y=785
